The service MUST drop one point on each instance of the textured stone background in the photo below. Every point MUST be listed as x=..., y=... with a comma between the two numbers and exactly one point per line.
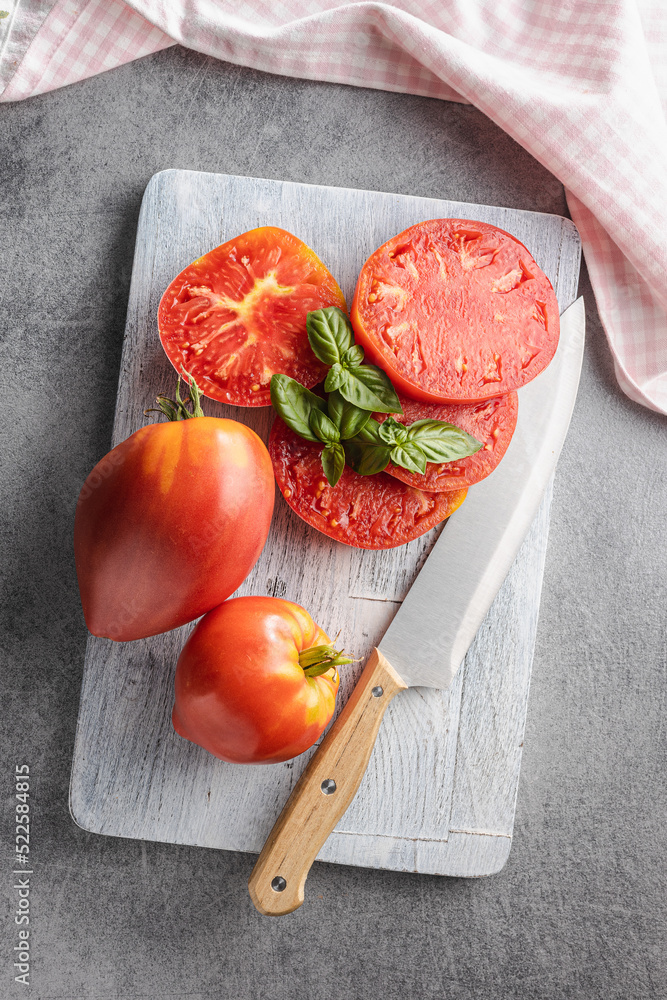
x=579, y=910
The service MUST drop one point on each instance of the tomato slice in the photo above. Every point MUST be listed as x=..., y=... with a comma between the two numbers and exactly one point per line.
x=455, y=311
x=491, y=422
x=237, y=315
x=369, y=512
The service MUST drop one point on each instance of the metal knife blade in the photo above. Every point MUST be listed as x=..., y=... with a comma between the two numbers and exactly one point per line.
x=443, y=610
x=445, y=606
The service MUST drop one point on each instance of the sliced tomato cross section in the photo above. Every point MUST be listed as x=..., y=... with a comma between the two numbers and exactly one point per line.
x=237, y=315
x=368, y=512
x=455, y=311
x=492, y=422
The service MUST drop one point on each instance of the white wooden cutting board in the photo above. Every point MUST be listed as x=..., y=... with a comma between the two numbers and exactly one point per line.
x=440, y=792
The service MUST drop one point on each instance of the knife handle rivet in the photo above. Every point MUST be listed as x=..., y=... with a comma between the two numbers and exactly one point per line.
x=278, y=884
x=377, y=692
x=328, y=786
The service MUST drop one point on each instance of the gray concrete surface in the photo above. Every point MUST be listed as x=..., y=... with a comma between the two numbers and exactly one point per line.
x=579, y=910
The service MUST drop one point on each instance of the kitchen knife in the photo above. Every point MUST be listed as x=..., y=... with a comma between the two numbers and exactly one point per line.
x=430, y=635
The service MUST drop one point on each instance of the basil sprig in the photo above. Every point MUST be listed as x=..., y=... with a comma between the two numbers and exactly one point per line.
x=348, y=418
x=343, y=423
x=332, y=340
x=295, y=404
x=306, y=414
x=410, y=446
x=329, y=334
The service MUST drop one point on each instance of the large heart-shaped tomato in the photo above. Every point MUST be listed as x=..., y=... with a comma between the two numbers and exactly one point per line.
x=169, y=524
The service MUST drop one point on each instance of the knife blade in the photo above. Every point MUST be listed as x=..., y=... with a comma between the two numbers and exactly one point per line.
x=430, y=634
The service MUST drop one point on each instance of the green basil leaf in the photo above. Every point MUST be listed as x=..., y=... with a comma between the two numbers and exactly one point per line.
x=349, y=419
x=354, y=357
x=353, y=449
x=353, y=422
x=409, y=456
x=392, y=431
x=369, y=388
x=336, y=376
x=294, y=404
x=370, y=433
x=336, y=407
x=323, y=427
x=367, y=459
x=367, y=453
x=329, y=334
x=333, y=462
x=442, y=442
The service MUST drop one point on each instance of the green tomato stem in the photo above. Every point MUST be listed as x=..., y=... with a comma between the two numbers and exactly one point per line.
x=318, y=660
x=177, y=409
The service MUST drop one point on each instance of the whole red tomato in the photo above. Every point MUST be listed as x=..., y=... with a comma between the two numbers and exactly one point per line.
x=169, y=524
x=256, y=681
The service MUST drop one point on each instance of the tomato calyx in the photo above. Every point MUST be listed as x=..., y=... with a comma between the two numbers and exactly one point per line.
x=317, y=660
x=177, y=409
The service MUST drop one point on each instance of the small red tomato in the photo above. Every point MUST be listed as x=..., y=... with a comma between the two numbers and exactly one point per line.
x=256, y=681
x=169, y=524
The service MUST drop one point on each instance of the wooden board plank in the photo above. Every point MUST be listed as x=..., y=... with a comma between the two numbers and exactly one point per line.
x=440, y=791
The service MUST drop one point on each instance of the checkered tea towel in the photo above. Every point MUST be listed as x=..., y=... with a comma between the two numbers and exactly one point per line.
x=581, y=84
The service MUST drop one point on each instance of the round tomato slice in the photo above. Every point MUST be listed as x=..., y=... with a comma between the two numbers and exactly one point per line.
x=455, y=311
x=491, y=422
x=237, y=315
x=368, y=512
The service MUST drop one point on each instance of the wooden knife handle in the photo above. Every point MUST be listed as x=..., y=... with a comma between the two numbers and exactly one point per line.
x=323, y=792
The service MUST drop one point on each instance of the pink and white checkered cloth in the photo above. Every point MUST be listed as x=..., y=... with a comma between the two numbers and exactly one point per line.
x=581, y=84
